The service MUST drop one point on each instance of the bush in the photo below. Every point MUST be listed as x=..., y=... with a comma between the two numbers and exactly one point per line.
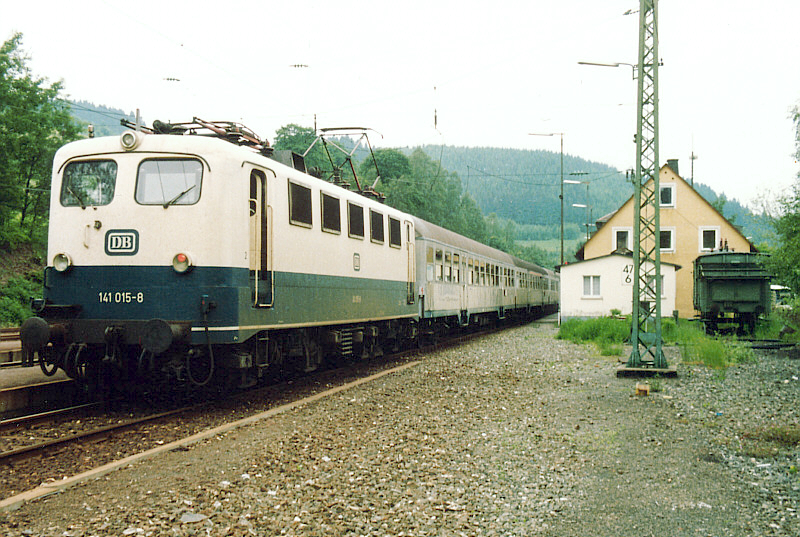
x=15, y=298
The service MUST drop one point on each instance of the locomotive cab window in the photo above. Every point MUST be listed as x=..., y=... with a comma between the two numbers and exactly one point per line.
x=355, y=220
x=88, y=183
x=331, y=214
x=169, y=182
x=300, y=205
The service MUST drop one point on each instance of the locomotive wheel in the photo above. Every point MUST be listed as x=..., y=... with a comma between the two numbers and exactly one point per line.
x=50, y=360
x=312, y=352
x=87, y=370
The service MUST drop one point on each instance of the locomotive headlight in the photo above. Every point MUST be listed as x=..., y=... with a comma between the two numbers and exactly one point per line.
x=62, y=262
x=129, y=140
x=182, y=263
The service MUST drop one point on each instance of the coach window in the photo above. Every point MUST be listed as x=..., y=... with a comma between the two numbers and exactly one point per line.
x=470, y=278
x=299, y=205
x=429, y=261
x=169, y=182
x=355, y=220
x=395, y=236
x=456, y=268
x=448, y=269
x=439, y=259
x=331, y=214
x=376, y=226
x=88, y=183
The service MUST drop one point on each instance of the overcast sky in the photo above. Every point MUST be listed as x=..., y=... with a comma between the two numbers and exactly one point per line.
x=493, y=72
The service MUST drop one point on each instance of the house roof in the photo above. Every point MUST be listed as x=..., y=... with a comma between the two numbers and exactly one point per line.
x=604, y=219
x=617, y=253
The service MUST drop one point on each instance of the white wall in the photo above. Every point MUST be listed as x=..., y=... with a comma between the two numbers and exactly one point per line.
x=616, y=287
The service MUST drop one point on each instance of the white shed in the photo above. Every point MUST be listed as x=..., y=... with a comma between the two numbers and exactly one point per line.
x=592, y=288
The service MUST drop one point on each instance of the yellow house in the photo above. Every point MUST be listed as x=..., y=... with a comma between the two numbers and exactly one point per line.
x=690, y=226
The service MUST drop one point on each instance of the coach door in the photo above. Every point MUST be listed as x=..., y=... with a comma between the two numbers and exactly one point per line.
x=260, y=256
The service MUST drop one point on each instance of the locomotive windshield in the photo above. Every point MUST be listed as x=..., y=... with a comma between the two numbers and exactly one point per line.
x=88, y=183
x=169, y=182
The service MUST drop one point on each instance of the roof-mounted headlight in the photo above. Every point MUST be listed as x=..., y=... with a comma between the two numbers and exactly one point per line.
x=130, y=140
x=62, y=262
x=182, y=263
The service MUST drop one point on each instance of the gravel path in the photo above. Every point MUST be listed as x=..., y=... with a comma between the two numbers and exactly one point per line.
x=515, y=434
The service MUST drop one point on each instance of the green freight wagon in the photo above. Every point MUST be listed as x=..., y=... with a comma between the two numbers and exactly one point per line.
x=731, y=288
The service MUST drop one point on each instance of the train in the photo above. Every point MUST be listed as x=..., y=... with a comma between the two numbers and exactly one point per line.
x=731, y=288
x=196, y=252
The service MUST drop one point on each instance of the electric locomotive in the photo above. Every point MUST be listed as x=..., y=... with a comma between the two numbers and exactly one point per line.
x=189, y=255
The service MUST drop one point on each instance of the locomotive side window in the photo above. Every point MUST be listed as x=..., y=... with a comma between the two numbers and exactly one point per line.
x=376, y=226
x=331, y=214
x=395, y=236
x=300, y=205
x=169, y=182
x=355, y=220
x=88, y=183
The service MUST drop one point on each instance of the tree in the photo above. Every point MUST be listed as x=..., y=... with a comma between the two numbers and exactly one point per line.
x=785, y=260
x=34, y=123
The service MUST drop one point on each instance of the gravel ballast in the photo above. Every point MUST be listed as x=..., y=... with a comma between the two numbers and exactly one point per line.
x=513, y=434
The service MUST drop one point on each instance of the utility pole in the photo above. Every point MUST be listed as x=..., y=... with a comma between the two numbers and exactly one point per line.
x=647, y=352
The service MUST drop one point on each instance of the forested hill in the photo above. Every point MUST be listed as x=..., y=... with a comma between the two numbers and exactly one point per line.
x=106, y=121
x=523, y=185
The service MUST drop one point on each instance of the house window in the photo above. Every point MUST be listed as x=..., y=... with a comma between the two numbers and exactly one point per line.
x=331, y=214
x=299, y=205
x=666, y=240
x=622, y=239
x=355, y=220
x=591, y=286
x=709, y=238
x=666, y=196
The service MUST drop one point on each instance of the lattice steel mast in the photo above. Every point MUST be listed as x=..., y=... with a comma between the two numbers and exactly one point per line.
x=646, y=323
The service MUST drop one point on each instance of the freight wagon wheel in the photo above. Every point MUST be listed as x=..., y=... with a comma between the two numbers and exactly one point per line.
x=50, y=360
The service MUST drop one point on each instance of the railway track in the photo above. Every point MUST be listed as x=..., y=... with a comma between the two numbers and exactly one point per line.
x=70, y=452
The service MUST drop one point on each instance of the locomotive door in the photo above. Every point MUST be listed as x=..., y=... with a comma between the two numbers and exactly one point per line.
x=410, y=280
x=261, y=283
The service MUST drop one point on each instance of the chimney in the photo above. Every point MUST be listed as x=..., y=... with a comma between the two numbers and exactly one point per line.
x=673, y=164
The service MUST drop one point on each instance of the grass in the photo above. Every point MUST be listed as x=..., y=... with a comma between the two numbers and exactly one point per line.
x=768, y=442
x=610, y=334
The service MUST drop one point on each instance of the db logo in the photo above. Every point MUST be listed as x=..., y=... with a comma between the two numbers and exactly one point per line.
x=122, y=242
